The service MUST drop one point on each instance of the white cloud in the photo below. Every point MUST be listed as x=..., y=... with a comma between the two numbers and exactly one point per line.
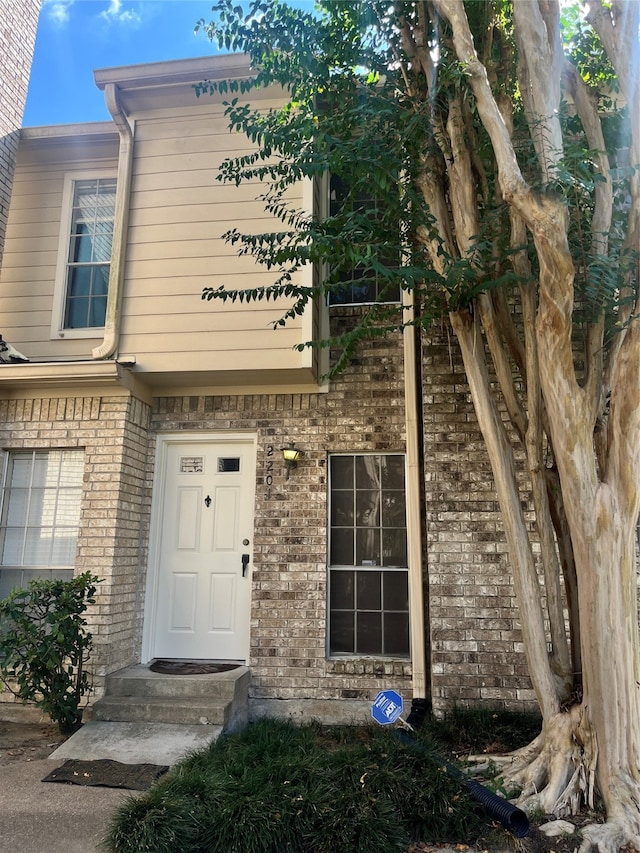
x=58, y=10
x=116, y=14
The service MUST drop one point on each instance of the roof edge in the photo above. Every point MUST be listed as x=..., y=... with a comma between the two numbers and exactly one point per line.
x=174, y=71
x=64, y=131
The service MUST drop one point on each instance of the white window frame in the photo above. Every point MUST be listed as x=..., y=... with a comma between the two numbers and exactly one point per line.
x=355, y=568
x=50, y=495
x=59, y=293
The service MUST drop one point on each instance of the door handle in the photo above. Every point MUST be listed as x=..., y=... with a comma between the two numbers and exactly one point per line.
x=245, y=563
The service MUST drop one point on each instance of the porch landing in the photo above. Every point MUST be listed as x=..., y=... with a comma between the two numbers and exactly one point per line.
x=138, y=695
x=149, y=717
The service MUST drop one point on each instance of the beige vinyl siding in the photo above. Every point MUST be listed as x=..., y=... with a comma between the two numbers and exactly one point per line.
x=178, y=214
x=28, y=273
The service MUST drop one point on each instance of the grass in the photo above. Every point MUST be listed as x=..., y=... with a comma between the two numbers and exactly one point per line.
x=277, y=787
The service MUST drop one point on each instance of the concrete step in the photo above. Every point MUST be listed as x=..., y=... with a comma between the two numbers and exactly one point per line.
x=186, y=711
x=140, y=681
x=137, y=695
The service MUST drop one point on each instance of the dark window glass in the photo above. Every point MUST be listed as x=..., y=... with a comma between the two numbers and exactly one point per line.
x=369, y=633
x=342, y=590
x=368, y=607
x=228, y=466
x=369, y=590
x=341, y=547
x=342, y=632
x=359, y=285
x=396, y=634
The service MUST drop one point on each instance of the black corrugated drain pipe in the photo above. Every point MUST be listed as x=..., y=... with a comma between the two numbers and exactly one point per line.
x=510, y=816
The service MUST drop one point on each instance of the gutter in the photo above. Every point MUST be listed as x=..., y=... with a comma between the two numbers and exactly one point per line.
x=414, y=494
x=111, y=340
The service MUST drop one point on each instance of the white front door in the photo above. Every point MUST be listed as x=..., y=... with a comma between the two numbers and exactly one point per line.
x=204, y=539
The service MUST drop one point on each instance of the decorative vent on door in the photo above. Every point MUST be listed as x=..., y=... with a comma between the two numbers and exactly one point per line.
x=191, y=464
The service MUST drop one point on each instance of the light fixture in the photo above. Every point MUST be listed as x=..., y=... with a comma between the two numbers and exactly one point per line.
x=291, y=455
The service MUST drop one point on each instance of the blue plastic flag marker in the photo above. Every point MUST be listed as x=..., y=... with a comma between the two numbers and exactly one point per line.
x=387, y=707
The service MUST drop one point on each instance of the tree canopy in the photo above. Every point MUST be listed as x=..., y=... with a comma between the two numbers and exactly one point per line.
x=482, y=158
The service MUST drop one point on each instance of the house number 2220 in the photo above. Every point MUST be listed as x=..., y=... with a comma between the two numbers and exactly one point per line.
x=268, y=479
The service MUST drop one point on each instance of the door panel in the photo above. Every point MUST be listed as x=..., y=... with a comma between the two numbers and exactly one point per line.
x=203, y=597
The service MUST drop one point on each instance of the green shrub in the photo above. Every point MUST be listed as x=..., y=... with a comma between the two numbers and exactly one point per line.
x=280, y=788
x=483, y=729
x=44, y=645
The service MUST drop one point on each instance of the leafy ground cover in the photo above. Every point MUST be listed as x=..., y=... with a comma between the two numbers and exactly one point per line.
x=276, y=787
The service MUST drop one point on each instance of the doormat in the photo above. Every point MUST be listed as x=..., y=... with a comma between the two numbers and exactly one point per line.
x=177, y=667
x=107, y=773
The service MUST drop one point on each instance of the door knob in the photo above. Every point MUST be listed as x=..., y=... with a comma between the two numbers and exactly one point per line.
x=245, y=563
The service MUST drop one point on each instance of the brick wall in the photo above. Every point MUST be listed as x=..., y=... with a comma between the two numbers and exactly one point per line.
x=476, y=646
x=476, y=641
x=18, y=22
x=363, y=412
x=113, y=433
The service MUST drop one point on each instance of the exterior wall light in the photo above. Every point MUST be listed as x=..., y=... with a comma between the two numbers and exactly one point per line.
x=291, y=455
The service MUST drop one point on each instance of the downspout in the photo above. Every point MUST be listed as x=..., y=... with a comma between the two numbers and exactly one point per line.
x=109, y=345
x=414, y=523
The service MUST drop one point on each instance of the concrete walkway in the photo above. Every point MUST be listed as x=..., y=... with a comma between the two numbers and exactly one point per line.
x=135, y=743
x=46, y=817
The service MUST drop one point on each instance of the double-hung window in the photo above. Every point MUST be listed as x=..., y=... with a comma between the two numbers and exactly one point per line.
x=85, y=254
x=360, y=284
x=39, y=515
x=368, y=574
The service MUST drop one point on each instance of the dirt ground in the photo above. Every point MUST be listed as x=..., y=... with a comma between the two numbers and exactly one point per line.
x=28, y=741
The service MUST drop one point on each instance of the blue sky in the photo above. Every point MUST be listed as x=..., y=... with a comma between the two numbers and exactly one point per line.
x=76, y=36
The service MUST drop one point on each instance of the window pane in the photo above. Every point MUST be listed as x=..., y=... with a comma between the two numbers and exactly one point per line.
x=68, y=507
x=100, y=281
x=79, y=282
x=342, y=472
x=45, y=467
x=342, y=590
x=97, y=311
x=80, y=249
x=341, y=547
x=20, y=471
x=77, y=313
x=369, y=591
x=71, y=465
x=368, y=508
x=368, y=547
x=368, y=472
x=369, y=634
x=394, y=547
x=42, y=506
x=393, y=472
x=341, y=637
x=342, y=509
x=37, y=546
x=12, y=546
x=102, y=246
x=394, y=511
x=396, y=634
x=396, y=591
x=17, y=509
x=63, y=549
